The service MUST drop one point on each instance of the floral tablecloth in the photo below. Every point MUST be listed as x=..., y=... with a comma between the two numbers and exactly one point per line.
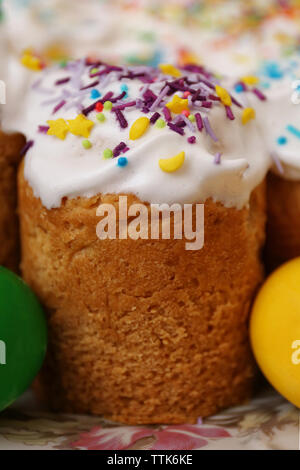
x=267, y=422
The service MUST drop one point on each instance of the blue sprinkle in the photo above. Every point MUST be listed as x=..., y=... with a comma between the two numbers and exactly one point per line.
x=293, y=130
x=122, y=161
x=282, y=140
x=273, y=70
x=95, y=94
x=265, y=85
x=239, y=88
x=124, y=87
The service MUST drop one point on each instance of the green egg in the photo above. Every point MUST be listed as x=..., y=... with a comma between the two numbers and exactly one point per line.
x=23, y=337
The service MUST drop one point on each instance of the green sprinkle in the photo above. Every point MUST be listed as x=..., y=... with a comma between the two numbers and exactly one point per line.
x=192, y=118
x=101, y=117
x=107, y=153
x=160, y=123
x=63, y=63
x=107, y=105
x=86, y=144
x=95, y=70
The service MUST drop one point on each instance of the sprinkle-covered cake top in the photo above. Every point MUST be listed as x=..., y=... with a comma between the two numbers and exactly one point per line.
x=278, y=114
x=167, y=135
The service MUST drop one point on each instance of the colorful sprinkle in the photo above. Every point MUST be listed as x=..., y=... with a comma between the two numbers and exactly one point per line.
x=293, y=130
x=169, y=69
x=86, y=144
x=107, y=153
x=239, y=88
x=247, y=115
x=250, y=80
x=192, y=140
x=32, y=62
x=169, y=165
x=177, y=105
x=139, y=128
x=282, y=140
x=223, y=95
x=58, y=128
x=160, y=123
x=95, y=94
x=107, y=105
x=122, y=161
x=192, y=118
x=101, y=117
x=217, y=159
x=80, y=126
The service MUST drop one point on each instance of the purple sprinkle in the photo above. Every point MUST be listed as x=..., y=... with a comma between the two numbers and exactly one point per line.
x=154, y=118
x=167, y=114
x=214, y=98
x=107, y=97
x=159, y=98
x=90, y=108
x=119, y=149
x=199, y=121
x=259, y=94
x=43, y=129
x=91, y=85
x=217, y=159
x=121, y=118
x=209, y=129
x=62, y=81
x=229, y=113
x=176, y=128
x=192, y=139
x=118, y=98
x=59, y=106
x=122, y=106
x=26, y=147
x=235, y=101
x=206, y=104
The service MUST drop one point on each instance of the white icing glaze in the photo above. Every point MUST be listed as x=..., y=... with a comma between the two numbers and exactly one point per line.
x=56, y=168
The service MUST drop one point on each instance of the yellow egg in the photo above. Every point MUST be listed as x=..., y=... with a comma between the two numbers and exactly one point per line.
x=275, y=330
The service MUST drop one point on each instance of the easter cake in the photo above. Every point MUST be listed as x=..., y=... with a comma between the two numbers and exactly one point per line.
x=141, y=329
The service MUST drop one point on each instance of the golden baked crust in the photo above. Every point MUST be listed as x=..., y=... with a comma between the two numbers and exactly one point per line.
x=10, y=147
x=143, y=331
x=283, y=208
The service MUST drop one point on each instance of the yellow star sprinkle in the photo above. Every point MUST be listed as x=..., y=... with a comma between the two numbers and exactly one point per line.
x=58, y=128
x=80, y=126
x=177, y=105
x=169, y=69
x=223, y=95
x=250, y=80
x=169, y=165
x=139, y=128
x=248, y=114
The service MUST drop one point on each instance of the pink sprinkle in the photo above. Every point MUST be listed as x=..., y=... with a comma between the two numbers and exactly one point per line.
x=192, y=139
x=59, y=106
x=229, y=113
x=167, y=114
x=43, y=129
x=259, y=94
x=199, y=121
